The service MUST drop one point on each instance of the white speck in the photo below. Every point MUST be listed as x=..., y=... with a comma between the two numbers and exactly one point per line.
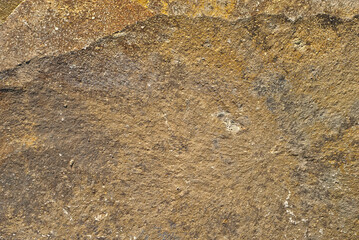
x=321, y=231
x=100, y=216
x=291, y=18
x=66, y=212
x=60, y=154
x=231, y=125
x=120, y=34
x=289, y=193
x=93, y=17
x=56, y=28
x=290, y=212
x=62, y=119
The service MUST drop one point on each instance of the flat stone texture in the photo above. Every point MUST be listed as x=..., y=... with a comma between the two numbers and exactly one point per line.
x=186, y=128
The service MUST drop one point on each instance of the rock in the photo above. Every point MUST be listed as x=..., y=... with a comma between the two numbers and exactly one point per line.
x=39, y=28
x=234, y=9
x=186, y=128
x=6, y=7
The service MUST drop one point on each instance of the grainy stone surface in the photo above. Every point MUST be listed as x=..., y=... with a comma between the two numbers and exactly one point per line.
x=40, y=28
x=6, y=7
x=186, y=128
x=233, y=9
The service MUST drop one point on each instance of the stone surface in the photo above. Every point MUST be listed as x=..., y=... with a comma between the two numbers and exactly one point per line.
x=39, y=28
x=6, y=7
x=234, y=9
x=186, y=128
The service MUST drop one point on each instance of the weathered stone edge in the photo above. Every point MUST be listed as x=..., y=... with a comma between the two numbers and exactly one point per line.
x=329, y=19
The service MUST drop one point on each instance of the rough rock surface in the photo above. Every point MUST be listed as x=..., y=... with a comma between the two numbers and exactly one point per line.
x=186, y=128
x=6, y=7
x=40, y=28
x=234, y=9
